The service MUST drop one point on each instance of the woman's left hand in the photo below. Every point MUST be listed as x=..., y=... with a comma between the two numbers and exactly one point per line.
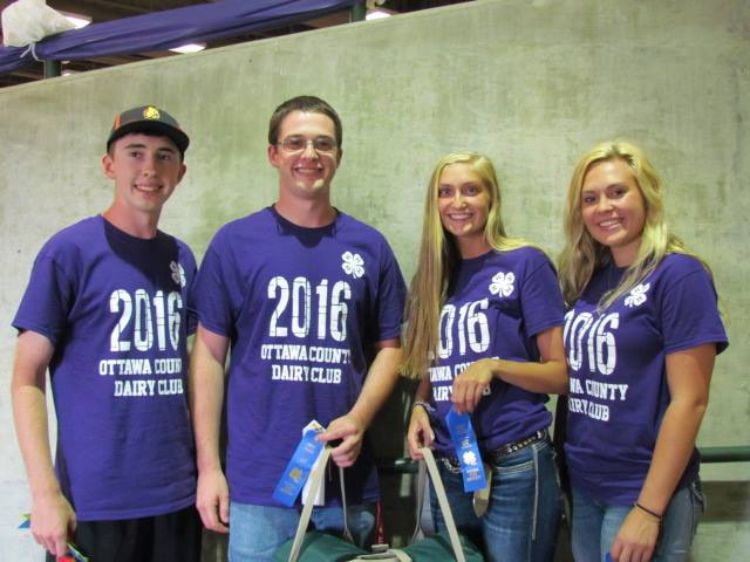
x=470, y=386
x=636, y=539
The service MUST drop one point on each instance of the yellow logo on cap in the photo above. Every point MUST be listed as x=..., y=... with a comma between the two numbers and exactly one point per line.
x=151, y=112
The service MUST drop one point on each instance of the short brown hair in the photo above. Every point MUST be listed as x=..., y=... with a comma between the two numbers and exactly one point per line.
x=308, y=104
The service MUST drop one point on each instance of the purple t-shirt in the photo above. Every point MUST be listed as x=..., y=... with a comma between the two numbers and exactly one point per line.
x=115, y=309
x=498, y=304
x=302, y=308
x=618, y=384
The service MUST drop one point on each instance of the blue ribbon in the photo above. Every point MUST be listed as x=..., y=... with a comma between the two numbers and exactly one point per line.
x=298, y=469
x=467, y=450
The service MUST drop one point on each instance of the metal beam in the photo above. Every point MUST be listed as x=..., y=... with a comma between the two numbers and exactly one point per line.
x=52, y=68
x=359, y=11
x=708, y=455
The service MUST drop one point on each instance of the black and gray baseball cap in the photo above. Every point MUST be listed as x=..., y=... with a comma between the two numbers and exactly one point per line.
x=148, y=119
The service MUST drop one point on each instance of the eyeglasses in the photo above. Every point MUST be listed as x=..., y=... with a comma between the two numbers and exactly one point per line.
x=298, y=144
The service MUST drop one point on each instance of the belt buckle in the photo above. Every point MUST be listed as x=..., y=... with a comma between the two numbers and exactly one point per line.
x=451, y=464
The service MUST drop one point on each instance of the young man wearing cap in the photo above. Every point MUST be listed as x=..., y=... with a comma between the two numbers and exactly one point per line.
x=106, y=312
x=310, y=301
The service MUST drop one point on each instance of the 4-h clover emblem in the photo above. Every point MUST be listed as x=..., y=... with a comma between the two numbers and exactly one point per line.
x=353, y=264
x=178, y=273
x=637, y=295
x=503, y=284
x=469, y=458
x=295, y=474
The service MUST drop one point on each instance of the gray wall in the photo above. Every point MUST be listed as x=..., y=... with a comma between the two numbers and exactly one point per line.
x=530, y=83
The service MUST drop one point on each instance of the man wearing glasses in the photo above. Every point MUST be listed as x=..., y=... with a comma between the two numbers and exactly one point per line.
x=309, y=300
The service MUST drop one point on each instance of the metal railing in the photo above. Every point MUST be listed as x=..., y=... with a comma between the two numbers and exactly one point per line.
x=405, y=465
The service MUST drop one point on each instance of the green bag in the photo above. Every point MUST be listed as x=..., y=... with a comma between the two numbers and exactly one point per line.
x=446, y=546
x=437, y=548
x=320, y=547
x=315, y=546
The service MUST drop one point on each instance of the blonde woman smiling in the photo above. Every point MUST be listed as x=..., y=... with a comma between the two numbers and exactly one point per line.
x=641, y=338
x=484, y=335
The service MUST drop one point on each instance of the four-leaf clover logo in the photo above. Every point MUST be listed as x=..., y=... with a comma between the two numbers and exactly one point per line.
x=353, y=264
x=178, y=274
x=637, y=295
x=470, y=458
x=503, y=284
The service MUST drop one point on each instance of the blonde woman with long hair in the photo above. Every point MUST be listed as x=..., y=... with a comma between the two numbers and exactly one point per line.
x=484, y=336
x=641, y=338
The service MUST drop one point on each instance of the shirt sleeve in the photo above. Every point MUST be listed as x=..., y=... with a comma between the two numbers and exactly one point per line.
x=210, y=294
x=191, y=270
x=47, y=300
x=689, y=312
x=541, y=300
x=391, y=298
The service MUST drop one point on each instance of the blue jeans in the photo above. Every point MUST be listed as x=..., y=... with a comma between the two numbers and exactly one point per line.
x=595, y=525
x=256, y=531
x=522, y=520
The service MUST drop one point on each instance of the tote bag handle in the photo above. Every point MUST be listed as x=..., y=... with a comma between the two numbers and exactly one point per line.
x=316, y=477
x=430, y=465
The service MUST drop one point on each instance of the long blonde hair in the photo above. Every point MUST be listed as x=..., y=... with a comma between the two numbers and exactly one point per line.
x=438, y=258
x=582, y=254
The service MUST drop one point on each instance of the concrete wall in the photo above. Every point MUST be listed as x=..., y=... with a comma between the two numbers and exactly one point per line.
x=530, y=83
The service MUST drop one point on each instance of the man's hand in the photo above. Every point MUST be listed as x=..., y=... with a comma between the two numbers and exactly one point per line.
x=52, y=522
x=212, y=500
x=351, y=431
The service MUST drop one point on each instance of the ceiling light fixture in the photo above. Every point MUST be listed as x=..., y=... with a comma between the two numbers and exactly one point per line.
x=378, y=13
x=189, y=48
x=78, y=20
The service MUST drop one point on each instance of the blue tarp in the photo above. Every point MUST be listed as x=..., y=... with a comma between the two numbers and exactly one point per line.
x=170, y=28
